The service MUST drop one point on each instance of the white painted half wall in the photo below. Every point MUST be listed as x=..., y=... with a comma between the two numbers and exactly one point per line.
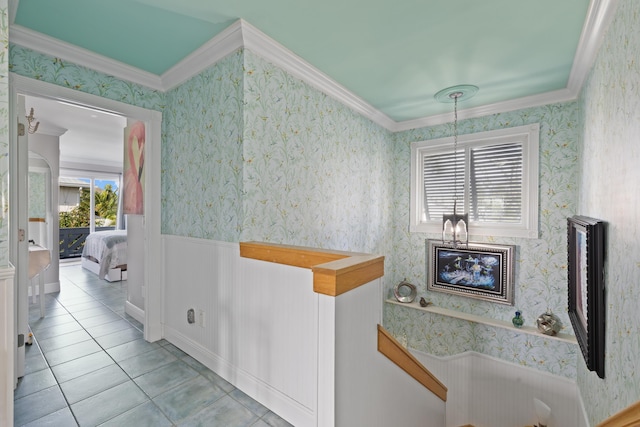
x=308, y=357
x=371, y=390
x=254, y=322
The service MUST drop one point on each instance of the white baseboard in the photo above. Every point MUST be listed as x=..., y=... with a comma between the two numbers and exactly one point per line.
x=49, y=288
x=52, y=287
x=134, y=311
x=257, y=389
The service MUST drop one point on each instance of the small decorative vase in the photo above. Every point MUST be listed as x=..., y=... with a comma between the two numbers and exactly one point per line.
x=518, y=321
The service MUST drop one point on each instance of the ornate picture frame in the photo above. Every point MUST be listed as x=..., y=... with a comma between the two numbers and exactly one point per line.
x=477, y=270
x=586, y=288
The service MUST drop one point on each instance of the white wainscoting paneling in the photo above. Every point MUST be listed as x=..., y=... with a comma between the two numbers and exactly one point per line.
x=370, y=390
x=310, y=358
x=8, y=332
x=484, y=390
x=256, y=322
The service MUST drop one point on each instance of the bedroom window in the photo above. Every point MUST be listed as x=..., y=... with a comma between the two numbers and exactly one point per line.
x=497, y=182
x=89, y=201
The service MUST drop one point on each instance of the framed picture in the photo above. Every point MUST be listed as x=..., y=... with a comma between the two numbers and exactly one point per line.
x=586, y=288
x=476, y=270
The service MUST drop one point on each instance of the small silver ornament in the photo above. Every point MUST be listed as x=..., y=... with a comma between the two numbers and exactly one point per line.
x=548, y=323
x=405, y=291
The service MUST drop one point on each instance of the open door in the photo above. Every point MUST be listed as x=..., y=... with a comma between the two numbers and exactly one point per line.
x=133, y=207
x=19, y=223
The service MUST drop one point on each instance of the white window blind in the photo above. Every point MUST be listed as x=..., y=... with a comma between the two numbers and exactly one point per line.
x=439, y=171
x=496, y=183
x=497, y=179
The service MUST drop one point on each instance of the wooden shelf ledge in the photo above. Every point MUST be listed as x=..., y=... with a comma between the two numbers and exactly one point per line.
x=485, y=321
x=334, y=272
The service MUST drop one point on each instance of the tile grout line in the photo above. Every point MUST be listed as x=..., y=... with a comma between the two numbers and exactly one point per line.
x=92, y=338
x=226, y=394
x=104, y=350
x=114, y=361
x=57, y=383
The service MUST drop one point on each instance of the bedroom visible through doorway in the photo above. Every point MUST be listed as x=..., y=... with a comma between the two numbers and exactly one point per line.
x=111, y=164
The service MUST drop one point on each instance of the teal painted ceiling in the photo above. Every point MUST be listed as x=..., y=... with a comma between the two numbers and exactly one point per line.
x=393, y=54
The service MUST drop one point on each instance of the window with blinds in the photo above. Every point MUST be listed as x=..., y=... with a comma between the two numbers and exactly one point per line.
x=493, y=176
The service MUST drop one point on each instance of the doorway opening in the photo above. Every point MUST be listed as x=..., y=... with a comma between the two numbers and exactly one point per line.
x=76, y=168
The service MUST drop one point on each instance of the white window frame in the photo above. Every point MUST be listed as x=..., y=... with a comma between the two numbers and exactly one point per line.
x=527, y=135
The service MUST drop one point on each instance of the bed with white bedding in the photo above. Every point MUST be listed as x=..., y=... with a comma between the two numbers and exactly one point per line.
x=105, y=254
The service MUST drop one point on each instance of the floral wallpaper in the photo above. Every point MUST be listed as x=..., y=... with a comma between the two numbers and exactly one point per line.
x=202, y=154
x=315, y=173
x=43, y=67
x=4, y=134
x=38, y=66
x=250, y=152
x=540, y=264
x=610, y=124
x=37, y=195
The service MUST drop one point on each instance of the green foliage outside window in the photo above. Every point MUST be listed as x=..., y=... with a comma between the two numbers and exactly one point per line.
x=106, y=208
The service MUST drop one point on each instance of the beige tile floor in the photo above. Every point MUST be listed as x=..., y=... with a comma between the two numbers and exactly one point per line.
x=89, y=365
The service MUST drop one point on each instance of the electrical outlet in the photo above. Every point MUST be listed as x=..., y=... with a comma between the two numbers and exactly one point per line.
x=201, y=318
x=191, y=316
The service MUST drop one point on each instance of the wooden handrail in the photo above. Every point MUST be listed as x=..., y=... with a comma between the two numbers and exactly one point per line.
x=334, y=272
x=399, y=355
x=629, y=417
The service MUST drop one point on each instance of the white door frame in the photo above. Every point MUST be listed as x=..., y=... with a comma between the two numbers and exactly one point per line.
x=18, y=222
x=153, y=290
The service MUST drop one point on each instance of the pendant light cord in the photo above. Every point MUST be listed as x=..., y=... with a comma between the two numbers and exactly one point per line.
x=455, y=97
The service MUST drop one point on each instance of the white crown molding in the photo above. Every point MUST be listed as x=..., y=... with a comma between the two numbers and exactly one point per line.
x=53, y=47
x=242, y=34
x=562, y=95
x=223, y=44
x=598, y=19
x=264, y=46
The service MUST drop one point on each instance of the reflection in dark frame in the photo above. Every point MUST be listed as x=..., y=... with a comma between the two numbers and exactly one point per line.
x=476, y=270
x=586, y=288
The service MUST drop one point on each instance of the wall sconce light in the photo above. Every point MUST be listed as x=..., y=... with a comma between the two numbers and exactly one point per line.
x=30, y=118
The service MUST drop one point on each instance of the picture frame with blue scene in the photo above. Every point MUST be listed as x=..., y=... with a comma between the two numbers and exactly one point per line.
x=477, y=270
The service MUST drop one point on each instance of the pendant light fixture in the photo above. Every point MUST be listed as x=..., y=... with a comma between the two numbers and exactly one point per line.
x=455, y=226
